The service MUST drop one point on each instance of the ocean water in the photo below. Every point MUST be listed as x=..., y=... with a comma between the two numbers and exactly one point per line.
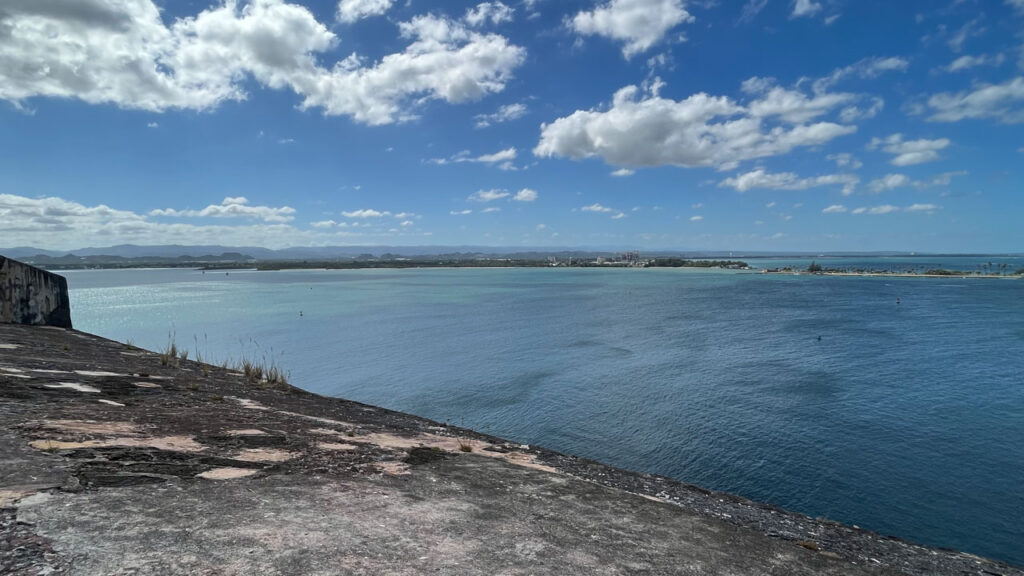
x=818, y=394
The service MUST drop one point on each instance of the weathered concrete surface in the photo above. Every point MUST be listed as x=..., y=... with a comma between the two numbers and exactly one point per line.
x=29, y=295
x=190, y=469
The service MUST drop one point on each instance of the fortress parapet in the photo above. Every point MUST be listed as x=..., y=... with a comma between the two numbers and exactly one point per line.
x=29, y=295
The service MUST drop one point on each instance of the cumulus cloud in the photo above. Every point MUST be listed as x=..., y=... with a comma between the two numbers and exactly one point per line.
x=889, y=209
x=750, y=10
x=846, y=160
x=969, y=30
x=866, y=68
x=853, y=113
x=796, y=107
x=696, y=218
x=56, y=223
x=909, y=152
x=883, y=209
x=122, y=53
x=759, y=178
x=493, y=12
x=525, y=195
x=968, y=62
x=488, y=195
x=366, y=213
x=506, y=113
x=352, y=10
x=834, y=209
x=803, y=8
x=595, y=207
x=623, y=172
x=894, y=181
x=460, y=212
x=643, y=129
x=638, y=24
x=233, y=207
x=502, y=158
x=1003, y=102
x=889, y=182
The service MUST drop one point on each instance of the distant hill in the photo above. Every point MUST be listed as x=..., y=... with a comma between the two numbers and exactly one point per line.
x=173, y=254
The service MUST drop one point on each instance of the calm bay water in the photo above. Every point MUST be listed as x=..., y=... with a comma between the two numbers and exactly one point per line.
x=821, y=395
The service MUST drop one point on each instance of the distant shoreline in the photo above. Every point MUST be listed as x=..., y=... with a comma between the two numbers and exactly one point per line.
x=956, y=275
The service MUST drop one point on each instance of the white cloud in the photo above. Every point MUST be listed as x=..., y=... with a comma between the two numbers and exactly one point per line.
x=701, y=130
x=622, y=172
x=152, y=125
x=323, y=224
x=366, y=213
x=237, y=207
x=805, y=8
x=969, y=30
x=493, y=12
x=759, y=178
x=487, y=195
x=846, y=160
x=834, y=209
x=597, y=208
x=853, y=113
x=460, y=212
x=696, y=218
x=639, y=24
x=490, y=209
x=525, y=195
x=890, y=182
x=541, y=227
x=883, y=209
x=352, y=10
x=750, y=10
x=506, y=113
x=122, y=53
x=796, y=107
x=894, y=181
x=968, y=62
x=619, y=216
x=866, y=68
x=926, y=208
x=1003, y=102
x=502, y=158
x=909, y=152
x=59, y=224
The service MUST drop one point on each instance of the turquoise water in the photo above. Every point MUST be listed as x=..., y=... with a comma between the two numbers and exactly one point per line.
x=817, y=394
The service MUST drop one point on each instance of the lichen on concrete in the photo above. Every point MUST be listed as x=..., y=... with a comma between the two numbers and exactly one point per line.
x=211, y=474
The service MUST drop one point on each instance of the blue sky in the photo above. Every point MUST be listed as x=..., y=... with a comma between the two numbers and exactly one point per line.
x=813, y=125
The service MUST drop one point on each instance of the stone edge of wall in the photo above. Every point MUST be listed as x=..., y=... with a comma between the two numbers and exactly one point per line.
x=30, y=295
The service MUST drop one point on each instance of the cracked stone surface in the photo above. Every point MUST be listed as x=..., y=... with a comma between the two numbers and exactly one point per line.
x=192, y=469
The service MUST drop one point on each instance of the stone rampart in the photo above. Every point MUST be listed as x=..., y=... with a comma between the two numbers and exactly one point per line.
x=29, y=295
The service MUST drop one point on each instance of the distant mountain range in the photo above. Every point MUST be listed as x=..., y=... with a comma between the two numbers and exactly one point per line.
x=130, y=253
